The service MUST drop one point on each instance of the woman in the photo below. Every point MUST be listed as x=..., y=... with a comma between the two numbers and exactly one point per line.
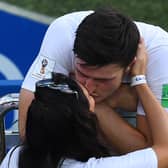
x=62, y=129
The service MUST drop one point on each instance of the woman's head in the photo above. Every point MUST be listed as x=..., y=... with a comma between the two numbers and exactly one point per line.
x=59, y=122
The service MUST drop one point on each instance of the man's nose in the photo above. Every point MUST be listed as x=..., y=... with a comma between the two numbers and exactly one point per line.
x=90, y=85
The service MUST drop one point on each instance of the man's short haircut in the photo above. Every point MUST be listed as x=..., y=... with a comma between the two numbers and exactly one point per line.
x=106, y=37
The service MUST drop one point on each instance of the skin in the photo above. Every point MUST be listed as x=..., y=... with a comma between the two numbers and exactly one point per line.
x=89, y=97
x=25, y=99
x=100, y=82
x=157, y=121
x=104, y=85
x=156, y=116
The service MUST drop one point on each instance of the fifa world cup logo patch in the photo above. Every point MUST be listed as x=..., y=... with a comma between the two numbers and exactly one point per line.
x=43, y=68
x=44, y=64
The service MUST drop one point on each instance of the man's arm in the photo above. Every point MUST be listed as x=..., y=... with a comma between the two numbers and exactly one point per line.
x=25, y=99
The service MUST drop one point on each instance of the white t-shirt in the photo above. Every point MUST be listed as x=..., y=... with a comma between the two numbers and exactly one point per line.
x=56, y=54
x=145, y=158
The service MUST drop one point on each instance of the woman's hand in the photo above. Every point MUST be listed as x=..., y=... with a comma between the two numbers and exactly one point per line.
x=140, y=61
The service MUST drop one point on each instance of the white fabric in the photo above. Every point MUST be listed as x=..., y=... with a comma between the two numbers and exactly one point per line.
x=57, y=49
x=14, y=158
x=139, y=159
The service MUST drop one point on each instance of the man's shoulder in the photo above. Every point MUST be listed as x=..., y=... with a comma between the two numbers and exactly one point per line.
x=146, y=27
x=67, y=23
x=77, y=16
x=153, y=35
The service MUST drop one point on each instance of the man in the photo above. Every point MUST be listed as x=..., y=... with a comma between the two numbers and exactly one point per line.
x=99, y=49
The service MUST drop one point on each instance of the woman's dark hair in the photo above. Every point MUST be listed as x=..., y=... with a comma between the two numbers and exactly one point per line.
x=107, y=37
x=59, y=125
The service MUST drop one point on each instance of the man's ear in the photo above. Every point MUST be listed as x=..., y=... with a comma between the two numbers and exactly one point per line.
x=128, y=68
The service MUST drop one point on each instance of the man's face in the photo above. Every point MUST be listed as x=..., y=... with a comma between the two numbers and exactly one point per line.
x=100, y=82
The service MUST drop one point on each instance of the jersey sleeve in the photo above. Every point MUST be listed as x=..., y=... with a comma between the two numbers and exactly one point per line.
x=139, y=159
x=157, y=75
x=11, y=158
x=55, y=53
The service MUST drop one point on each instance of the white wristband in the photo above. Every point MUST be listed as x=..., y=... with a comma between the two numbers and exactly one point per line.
x=138, y=79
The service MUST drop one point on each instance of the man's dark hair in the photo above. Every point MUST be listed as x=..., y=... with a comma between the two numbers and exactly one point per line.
x=106, y=37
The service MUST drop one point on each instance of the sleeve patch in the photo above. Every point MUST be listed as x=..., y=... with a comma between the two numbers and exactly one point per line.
x=43, y=68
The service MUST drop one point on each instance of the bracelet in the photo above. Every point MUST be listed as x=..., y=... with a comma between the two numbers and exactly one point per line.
x=138, y=79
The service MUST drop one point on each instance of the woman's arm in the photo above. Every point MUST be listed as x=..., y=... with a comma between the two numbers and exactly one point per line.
x=158, y=123
x=157, y=118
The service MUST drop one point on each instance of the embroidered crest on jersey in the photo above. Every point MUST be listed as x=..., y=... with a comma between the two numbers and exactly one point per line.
x=165, y=95
x=43, y=68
